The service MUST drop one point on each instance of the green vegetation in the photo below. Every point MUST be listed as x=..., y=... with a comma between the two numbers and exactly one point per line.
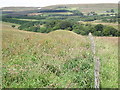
x=11, y=20
x=59, y=56
x=28, y=19
x=56, y=61
x=83, y=29
x=107, y=51
x=49, y=20
x=59, y=59
x=13, y=26
x=47, y=26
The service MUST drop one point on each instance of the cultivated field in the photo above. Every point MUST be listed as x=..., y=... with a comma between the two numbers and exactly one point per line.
x=59, y=59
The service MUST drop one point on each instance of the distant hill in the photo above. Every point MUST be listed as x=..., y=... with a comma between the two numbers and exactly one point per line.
x=87, y=7
x=99, y=8
x=19, y=8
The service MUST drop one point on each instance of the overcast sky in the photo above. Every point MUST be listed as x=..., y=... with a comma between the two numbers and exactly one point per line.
x=42, y=3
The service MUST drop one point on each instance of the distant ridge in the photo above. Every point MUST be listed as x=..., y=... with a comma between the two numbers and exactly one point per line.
x=98, y=7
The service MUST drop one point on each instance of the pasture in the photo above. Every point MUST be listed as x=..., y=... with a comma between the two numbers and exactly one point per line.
x=59, y=59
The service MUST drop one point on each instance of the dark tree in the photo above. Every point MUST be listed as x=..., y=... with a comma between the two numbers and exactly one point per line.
x=65, y=24
x=99, y=27
x=13, y=26
x=112, y=10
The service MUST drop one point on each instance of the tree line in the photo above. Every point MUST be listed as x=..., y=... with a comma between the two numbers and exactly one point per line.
x=79, y=28
x=47, y=26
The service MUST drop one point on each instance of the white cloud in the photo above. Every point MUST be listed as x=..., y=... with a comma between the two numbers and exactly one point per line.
x=41, y=3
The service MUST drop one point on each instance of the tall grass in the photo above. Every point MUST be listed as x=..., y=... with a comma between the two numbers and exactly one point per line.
x=107, y=50
x=60, y=59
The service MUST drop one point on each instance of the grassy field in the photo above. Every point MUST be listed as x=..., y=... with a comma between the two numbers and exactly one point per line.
x=28, y=19
x=59, y=13
x=9, y=25
x=115, y=25
x=59, y=59
x=107, y=51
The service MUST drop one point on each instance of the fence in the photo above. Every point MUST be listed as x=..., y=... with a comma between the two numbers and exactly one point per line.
x=96, y=63
x=68, y=67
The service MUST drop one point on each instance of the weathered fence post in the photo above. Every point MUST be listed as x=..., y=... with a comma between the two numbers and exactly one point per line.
x=96, y=63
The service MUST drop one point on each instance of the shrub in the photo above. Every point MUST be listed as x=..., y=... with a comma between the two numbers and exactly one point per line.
x=13, y=26
x=99, y=27
x=108, y=30
x=43, y=30
x=65, y=24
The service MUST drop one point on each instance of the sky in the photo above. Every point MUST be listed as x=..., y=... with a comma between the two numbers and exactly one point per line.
x=42, y=3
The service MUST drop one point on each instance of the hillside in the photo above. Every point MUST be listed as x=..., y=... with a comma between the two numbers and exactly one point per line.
x=19, y=8
x=85, y=8
x=51, y=18
x=59, y=59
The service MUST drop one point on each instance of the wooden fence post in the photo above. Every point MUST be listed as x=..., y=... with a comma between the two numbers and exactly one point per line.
x=96, y=63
